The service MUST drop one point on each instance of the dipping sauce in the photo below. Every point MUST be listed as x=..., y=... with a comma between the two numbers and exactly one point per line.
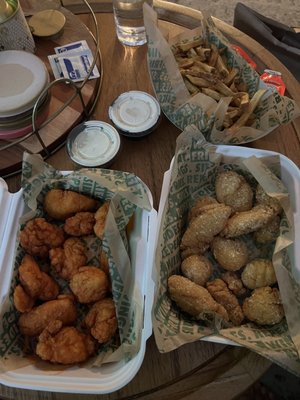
x=135, y=113
x=93, y=144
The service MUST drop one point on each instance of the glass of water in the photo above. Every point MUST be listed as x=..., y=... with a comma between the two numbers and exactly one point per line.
x=129, y=21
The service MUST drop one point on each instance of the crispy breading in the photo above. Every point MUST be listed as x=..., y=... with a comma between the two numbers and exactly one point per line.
x=220, y=292
x=61, y=204
x=101, y=320
x=67, y=260
x=258, y=273
x=39, y=236
x=22, y=300
x=233, y=190
x=197, y=268
x=64, y=345
x=100, y=217
x=205, y=226
x=231, y=254
x=36, y=283
x=89, y=284
x=193, y=299
x=245, y=222
x=264, y=306
x=80, y=224
x=234, y=283
x=32, y=323
x=263, y=198
x=199, y=204
x=268, y=233
x=190, y=251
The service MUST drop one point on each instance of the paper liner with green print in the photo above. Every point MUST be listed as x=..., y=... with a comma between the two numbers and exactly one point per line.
x=193, y=174
x=126, y=193
x=182, y=109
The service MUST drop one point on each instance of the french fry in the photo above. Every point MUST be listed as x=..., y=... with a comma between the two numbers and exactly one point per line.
x=188, y=45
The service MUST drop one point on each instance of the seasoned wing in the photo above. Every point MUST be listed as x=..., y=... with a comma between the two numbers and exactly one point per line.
x=36, y=283
x=268, y=233
x=80, y=224
x=263, y=198
x=233, y=190
x=193, y=299
x=101, y=320
x=64, y=345
x=201, y=204
x=39, y=236
x=245, y=222
x=89, y=284
x=100, y=217
x=205, y=226
x=67, y=260
x=220, y=292
x=231, y=254
x=258, y=273
x=234, y=283
x=61, y=204
x=264, y=306
x=22, y=300
x=32, y=323
x=197, y=268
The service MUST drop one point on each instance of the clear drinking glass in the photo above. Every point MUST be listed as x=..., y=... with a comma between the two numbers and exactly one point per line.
x=129, y=21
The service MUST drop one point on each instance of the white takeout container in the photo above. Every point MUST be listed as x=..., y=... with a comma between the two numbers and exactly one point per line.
x=111, y=377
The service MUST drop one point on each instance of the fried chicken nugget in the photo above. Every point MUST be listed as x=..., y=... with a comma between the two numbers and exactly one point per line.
x=64, y=345
x=220, y=292
x=245, y=222
x=233, y=190
x=80, y=224
x=264, y=306
x=61, y=204
x=234, y=283
x=101, y=320
x=100, y=217
x=22, y=300
x=39, y=236
x=263, y=198
x=186, y=252
x=89, y=284
x=197, y=268
x=205, y=226
x=36, y=283
x=193, y=299
x=32, y=323
x=67, y=260
x=231, y=254
x=258, y=273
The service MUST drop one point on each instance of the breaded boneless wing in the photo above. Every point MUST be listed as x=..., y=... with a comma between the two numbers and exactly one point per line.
x=193, y=299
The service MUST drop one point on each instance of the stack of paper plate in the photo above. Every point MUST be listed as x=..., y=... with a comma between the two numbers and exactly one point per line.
x=23, y=77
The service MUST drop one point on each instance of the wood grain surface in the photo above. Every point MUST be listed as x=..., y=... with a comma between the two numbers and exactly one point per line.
x=200, y=370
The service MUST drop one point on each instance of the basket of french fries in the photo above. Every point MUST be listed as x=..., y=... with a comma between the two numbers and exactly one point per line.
x=227, y=267
x=200, y=79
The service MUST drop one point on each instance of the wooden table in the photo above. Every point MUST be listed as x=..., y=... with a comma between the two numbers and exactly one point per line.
x=201, y=369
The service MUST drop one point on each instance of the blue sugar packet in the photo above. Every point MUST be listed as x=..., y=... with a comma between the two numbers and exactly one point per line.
x=71, y=47
x=76, y=66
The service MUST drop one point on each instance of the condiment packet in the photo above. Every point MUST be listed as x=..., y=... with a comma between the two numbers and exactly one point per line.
x=73, y=61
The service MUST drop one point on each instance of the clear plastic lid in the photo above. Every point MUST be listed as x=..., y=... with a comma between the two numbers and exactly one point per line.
x=135, y=112
x=93, y=143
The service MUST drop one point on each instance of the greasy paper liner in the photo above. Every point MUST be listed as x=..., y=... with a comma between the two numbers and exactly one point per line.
x=183, y=110
x=126, y=193
x=193, y=172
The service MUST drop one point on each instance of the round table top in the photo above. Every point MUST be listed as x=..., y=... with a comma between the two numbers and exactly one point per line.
x=201, y=369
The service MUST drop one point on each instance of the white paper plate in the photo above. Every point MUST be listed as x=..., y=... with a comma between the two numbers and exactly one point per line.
x=23, y=78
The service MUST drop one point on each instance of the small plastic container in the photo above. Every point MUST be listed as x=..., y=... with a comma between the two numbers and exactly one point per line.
x=93, y=144
x=135, y=114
